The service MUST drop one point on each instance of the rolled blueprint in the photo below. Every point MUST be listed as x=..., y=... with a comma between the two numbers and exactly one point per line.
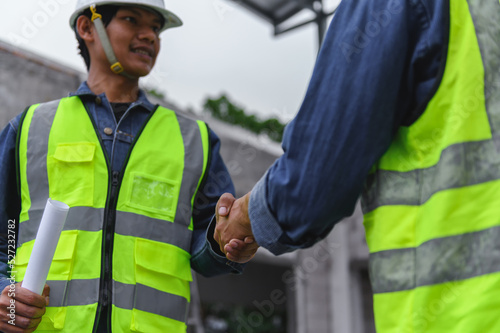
x=47, y=237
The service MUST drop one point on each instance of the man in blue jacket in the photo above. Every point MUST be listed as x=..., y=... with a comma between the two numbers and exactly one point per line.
x=403, y=109
x=142, y=183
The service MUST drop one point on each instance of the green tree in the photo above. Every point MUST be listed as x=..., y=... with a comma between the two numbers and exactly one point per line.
x=222, y=108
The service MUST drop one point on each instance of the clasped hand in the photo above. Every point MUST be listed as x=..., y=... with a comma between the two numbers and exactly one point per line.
x=21, y=310
x=233, y=231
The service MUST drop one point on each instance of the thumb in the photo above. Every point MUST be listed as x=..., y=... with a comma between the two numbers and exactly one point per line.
x=224, y=205
x=45, y=293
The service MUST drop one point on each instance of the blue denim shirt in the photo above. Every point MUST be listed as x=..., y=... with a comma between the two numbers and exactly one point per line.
x=379, y=65
x=205, y=254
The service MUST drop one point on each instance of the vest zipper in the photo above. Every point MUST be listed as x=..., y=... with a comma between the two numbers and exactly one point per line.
x=108, y=231
x=105, y=284
x=107, y=248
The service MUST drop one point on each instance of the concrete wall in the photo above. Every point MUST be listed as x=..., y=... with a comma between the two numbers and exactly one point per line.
x=334, y=293
x=26, y=79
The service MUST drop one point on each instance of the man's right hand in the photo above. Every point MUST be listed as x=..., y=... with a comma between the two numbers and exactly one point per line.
x=23, y=308
x=233, y=231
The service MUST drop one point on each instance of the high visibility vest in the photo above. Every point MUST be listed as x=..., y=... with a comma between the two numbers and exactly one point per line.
x=138, y=262
x=432, y=203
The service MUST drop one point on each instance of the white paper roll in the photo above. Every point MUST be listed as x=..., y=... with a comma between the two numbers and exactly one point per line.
x=47, y=237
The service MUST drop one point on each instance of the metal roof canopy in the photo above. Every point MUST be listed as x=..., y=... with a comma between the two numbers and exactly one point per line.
x=278, y=12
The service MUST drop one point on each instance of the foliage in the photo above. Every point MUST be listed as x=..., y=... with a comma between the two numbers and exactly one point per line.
x=222, y=108
x=155, y=93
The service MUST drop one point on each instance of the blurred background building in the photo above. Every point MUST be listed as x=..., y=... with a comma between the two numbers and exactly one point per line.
x=321, y=289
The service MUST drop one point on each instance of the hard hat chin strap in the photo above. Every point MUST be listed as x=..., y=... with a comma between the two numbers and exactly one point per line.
x=116, y=67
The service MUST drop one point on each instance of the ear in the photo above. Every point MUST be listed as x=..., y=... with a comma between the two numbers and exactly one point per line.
x=85, y=28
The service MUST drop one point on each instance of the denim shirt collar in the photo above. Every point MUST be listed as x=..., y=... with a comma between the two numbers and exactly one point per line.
x=142, y=100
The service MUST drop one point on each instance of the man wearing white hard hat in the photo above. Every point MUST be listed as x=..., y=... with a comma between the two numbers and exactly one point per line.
x=142, y=183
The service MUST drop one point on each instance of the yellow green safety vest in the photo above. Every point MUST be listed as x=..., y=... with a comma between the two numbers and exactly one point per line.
x=432, y=203
x=140, y=263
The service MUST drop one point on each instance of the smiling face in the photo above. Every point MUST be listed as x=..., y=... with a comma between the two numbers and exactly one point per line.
x=133, y=34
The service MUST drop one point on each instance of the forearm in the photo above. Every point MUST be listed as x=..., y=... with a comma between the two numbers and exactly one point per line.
x=206, y=258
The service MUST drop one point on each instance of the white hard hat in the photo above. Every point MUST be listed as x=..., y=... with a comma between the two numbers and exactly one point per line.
x=171, y=20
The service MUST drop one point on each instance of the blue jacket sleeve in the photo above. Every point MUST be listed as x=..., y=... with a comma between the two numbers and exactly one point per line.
x=206, y=257
x=10, y=205
x=376, y=71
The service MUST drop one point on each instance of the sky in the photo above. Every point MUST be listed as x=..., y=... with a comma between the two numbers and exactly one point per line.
x=221, y=48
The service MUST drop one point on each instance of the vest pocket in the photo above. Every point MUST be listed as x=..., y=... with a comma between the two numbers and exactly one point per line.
x=165, y=270
x=154, y=195
x=71, y=173
x=59, y=275
x=62, y=264
x=145, y=322
x=154, y=260
x=53, y=319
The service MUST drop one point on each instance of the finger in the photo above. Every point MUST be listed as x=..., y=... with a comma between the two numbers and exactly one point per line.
x=28, y=311
x=229, y=249
x=240, y=258
x=241, y=251
x=223, y=211
x=46, y=290
x=21, y=322
x=46, y=293
x=218, y=240
x=5, y=327
x=221, y=243
x=235, y=244
x=232, y=257
x=249, y=240
x=33, y=323
x=23, y=295
x=217, y=236
x=224, y=205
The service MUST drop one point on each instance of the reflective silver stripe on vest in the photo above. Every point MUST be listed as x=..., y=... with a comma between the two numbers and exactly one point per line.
x=463, y=164
x=460, y=165
x=130, y=224
x=440, y=260
x=36, y=166
x=140, y=297
x=79, y=218
x=73, y=292
x=193, y=168
x=486, y=17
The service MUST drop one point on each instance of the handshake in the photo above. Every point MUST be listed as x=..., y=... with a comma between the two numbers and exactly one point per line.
x=233, y=231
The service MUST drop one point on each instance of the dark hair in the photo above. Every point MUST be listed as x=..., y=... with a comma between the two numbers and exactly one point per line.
x=107, y=12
